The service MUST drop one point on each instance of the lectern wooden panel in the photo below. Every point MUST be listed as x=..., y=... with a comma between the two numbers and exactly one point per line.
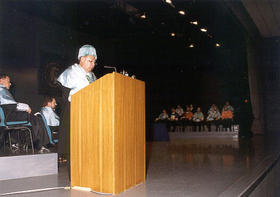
x=108, y=134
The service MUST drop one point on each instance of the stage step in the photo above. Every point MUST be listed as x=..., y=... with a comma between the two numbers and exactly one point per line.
x=182, y=135
x=15, y=167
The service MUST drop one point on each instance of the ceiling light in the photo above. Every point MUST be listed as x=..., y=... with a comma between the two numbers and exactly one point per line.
x=172, y=34
x=194, y=22
x=203, y=29
x=191, y=46
x=169, y=2
x=143, y=16
x=218, y=45
x=182, y=12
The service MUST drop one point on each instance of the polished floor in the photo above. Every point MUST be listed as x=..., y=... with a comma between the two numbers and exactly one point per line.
x=195, y=167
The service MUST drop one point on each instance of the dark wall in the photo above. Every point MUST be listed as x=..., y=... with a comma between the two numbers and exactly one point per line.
x=28, y=43
x=271, y=83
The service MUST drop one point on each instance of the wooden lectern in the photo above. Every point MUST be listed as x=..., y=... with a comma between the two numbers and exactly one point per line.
x=108, y=134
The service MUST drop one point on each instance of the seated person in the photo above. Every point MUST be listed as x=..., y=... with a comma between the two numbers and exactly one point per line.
x=173, y=119
x=198, y=118
x=179, y=110
x=162, y=117
x=48, y=111
x=213, y=117
x=191, y=107
x=227, y=116
x=15, y=111
x=228, y=107
x=187, y=117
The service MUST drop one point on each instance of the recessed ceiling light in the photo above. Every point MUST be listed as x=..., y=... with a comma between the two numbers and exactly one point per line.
x=172, y=34
x=203, y=29
x=143, y=16
x=182, y=12
x=218, y=45
x=169, y=2
x=194, y=22
x=191, y=46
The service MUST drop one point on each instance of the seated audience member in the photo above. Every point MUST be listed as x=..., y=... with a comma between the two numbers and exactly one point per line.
x=191, y=107
x=213, y=117
x=227, y=116
x=198, y=118
x=228, y=107
x=15, y=111
x=179, y=110
x=48, y=111
x=163, y=116
x=187, y=117
x=173, y=119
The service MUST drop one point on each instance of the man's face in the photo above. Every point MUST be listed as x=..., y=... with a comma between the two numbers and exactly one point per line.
x=53, y=104
x=198, y=109
x=6, y=82
x=87, y=63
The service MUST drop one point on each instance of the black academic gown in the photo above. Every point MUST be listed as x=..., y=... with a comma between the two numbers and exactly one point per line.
x=64, y=127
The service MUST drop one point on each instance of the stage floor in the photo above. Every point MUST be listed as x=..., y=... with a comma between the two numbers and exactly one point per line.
x=189, y=167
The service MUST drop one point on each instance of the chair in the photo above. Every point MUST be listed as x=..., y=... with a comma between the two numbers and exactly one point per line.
x=15, y=125
x=52, y=141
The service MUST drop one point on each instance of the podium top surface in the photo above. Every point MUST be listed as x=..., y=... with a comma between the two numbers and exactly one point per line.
x=121, y=75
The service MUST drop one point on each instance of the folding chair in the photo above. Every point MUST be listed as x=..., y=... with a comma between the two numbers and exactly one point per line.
x=15, y=125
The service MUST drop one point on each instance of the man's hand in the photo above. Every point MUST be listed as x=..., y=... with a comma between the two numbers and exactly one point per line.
x=28, y=110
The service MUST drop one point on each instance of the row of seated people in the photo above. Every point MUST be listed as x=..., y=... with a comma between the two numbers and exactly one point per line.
x=16, y=111
x=179, y=117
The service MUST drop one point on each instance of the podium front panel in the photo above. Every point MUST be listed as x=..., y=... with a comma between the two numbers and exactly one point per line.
x=108, y=134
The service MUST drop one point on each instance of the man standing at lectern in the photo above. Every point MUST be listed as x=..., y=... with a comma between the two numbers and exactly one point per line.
x=73, y=79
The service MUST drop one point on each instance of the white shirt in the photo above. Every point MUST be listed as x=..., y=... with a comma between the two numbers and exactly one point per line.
x=5, y=96
x=75, y=78
x=50, y=116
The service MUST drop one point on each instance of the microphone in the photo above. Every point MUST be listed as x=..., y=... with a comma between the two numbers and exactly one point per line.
x=111, y=67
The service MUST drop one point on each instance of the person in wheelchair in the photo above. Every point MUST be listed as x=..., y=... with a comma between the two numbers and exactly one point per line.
x=15, y=111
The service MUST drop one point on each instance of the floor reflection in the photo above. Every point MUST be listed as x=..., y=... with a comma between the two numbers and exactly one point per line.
x=199, y=152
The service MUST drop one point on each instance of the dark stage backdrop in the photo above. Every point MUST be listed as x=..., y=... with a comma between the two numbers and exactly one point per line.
x=174, y=74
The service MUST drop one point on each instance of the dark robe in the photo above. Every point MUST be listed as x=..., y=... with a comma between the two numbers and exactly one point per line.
x=64, y=127
x=245, y=120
